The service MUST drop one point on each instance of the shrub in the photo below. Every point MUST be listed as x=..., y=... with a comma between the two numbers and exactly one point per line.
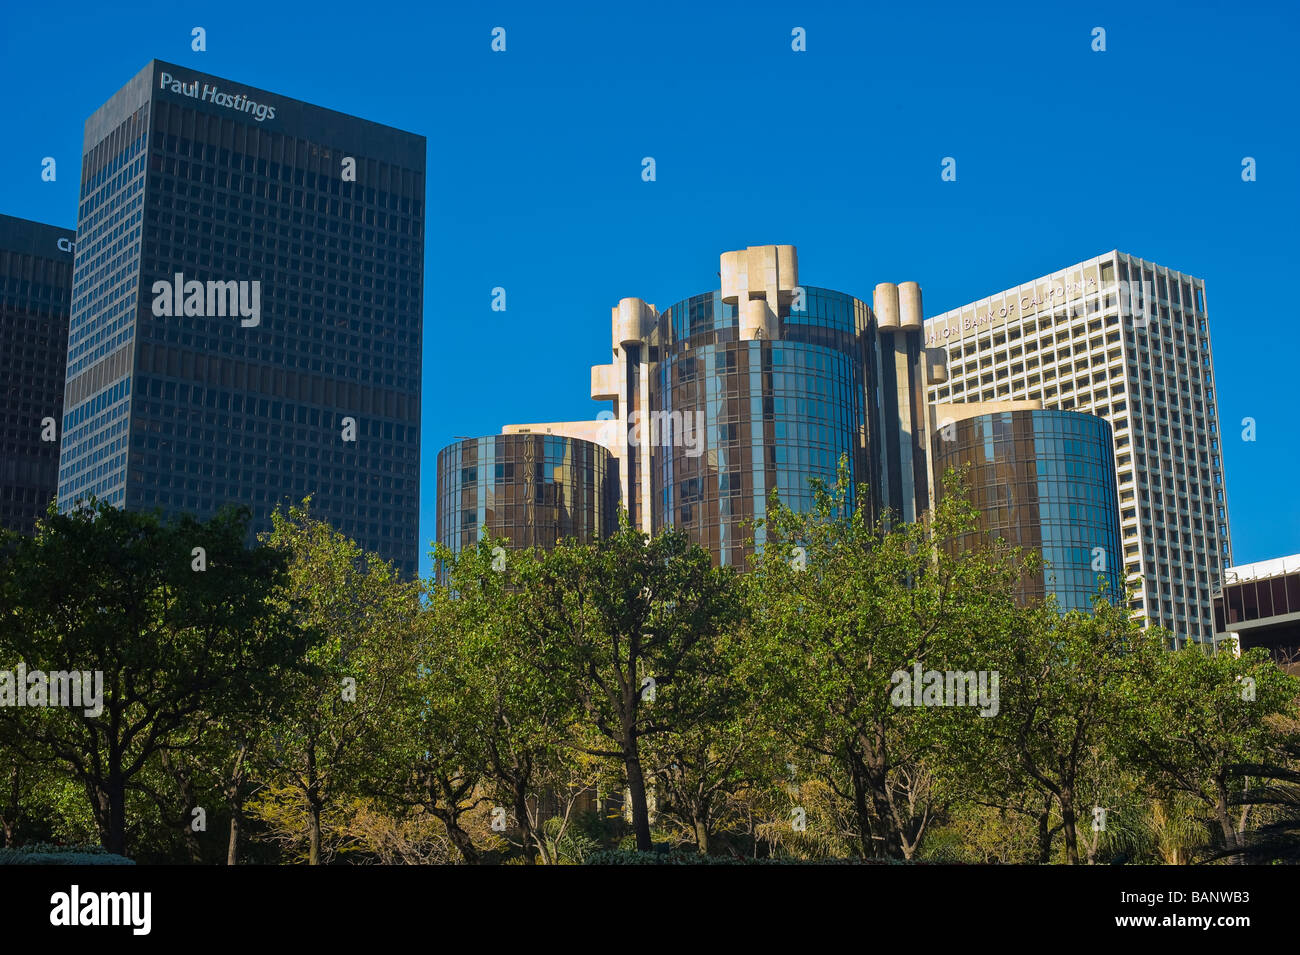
x=43, y=853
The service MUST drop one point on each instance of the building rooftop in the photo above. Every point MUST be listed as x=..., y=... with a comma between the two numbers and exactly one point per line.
x=1262, y=569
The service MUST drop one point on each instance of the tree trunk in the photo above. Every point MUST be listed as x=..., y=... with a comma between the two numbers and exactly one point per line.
x=702, y=835
x=636, y=787
x=442, y=792
x=189, y=802
x=314, y=807
x=313, y=820
x=1068, y=827
x=525, y=823
x=857, y=773
x=543, y=847
x=458, y=836
x=891, y=839
x=235, y=802
x=232, y=847
x=1045, y=831
x=99, y=808
x=13, y=810
x=116, y=793
x=463, y=843
x=1230, y=840
x=871, y=773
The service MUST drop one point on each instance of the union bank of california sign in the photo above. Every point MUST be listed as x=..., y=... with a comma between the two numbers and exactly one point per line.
x=1058, y=293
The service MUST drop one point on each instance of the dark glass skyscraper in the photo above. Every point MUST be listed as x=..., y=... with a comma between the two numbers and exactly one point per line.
x=35, y=291
x=1043, y=480
x=247, y=309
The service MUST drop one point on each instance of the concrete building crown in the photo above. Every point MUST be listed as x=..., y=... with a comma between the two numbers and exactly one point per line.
x=898, y=307
x=770, y=272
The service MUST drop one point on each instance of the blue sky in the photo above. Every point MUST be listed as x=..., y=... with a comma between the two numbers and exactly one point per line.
x=535, y=159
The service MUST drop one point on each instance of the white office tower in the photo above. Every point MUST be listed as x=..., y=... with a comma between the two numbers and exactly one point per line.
x=1128, y=340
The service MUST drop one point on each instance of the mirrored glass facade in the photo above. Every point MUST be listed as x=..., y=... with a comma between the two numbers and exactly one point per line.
x=770, y=414
x=535, y=490
x=1043, y=480
x=756, y=388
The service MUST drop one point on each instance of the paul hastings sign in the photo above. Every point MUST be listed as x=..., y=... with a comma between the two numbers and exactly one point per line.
x=211, y=93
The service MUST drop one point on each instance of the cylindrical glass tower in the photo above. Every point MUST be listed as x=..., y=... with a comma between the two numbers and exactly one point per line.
x=532, y=489
x=732, y=395
x=1043, y=480
x=768, y=413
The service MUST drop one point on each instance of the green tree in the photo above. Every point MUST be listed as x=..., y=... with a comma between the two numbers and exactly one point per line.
x=843, y=605
x=624, y=620
x=700, y=765
x=522, y=714
x=1065, y=688
x=1197, y=718
x=437, y=762
x=343, y=701
x=178, y=635
x=1275, y=792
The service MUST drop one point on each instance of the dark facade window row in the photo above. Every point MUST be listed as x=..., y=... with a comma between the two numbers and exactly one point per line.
x=190, y=136
x=313, y=297
x=1251, y=600
x=104, y=293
